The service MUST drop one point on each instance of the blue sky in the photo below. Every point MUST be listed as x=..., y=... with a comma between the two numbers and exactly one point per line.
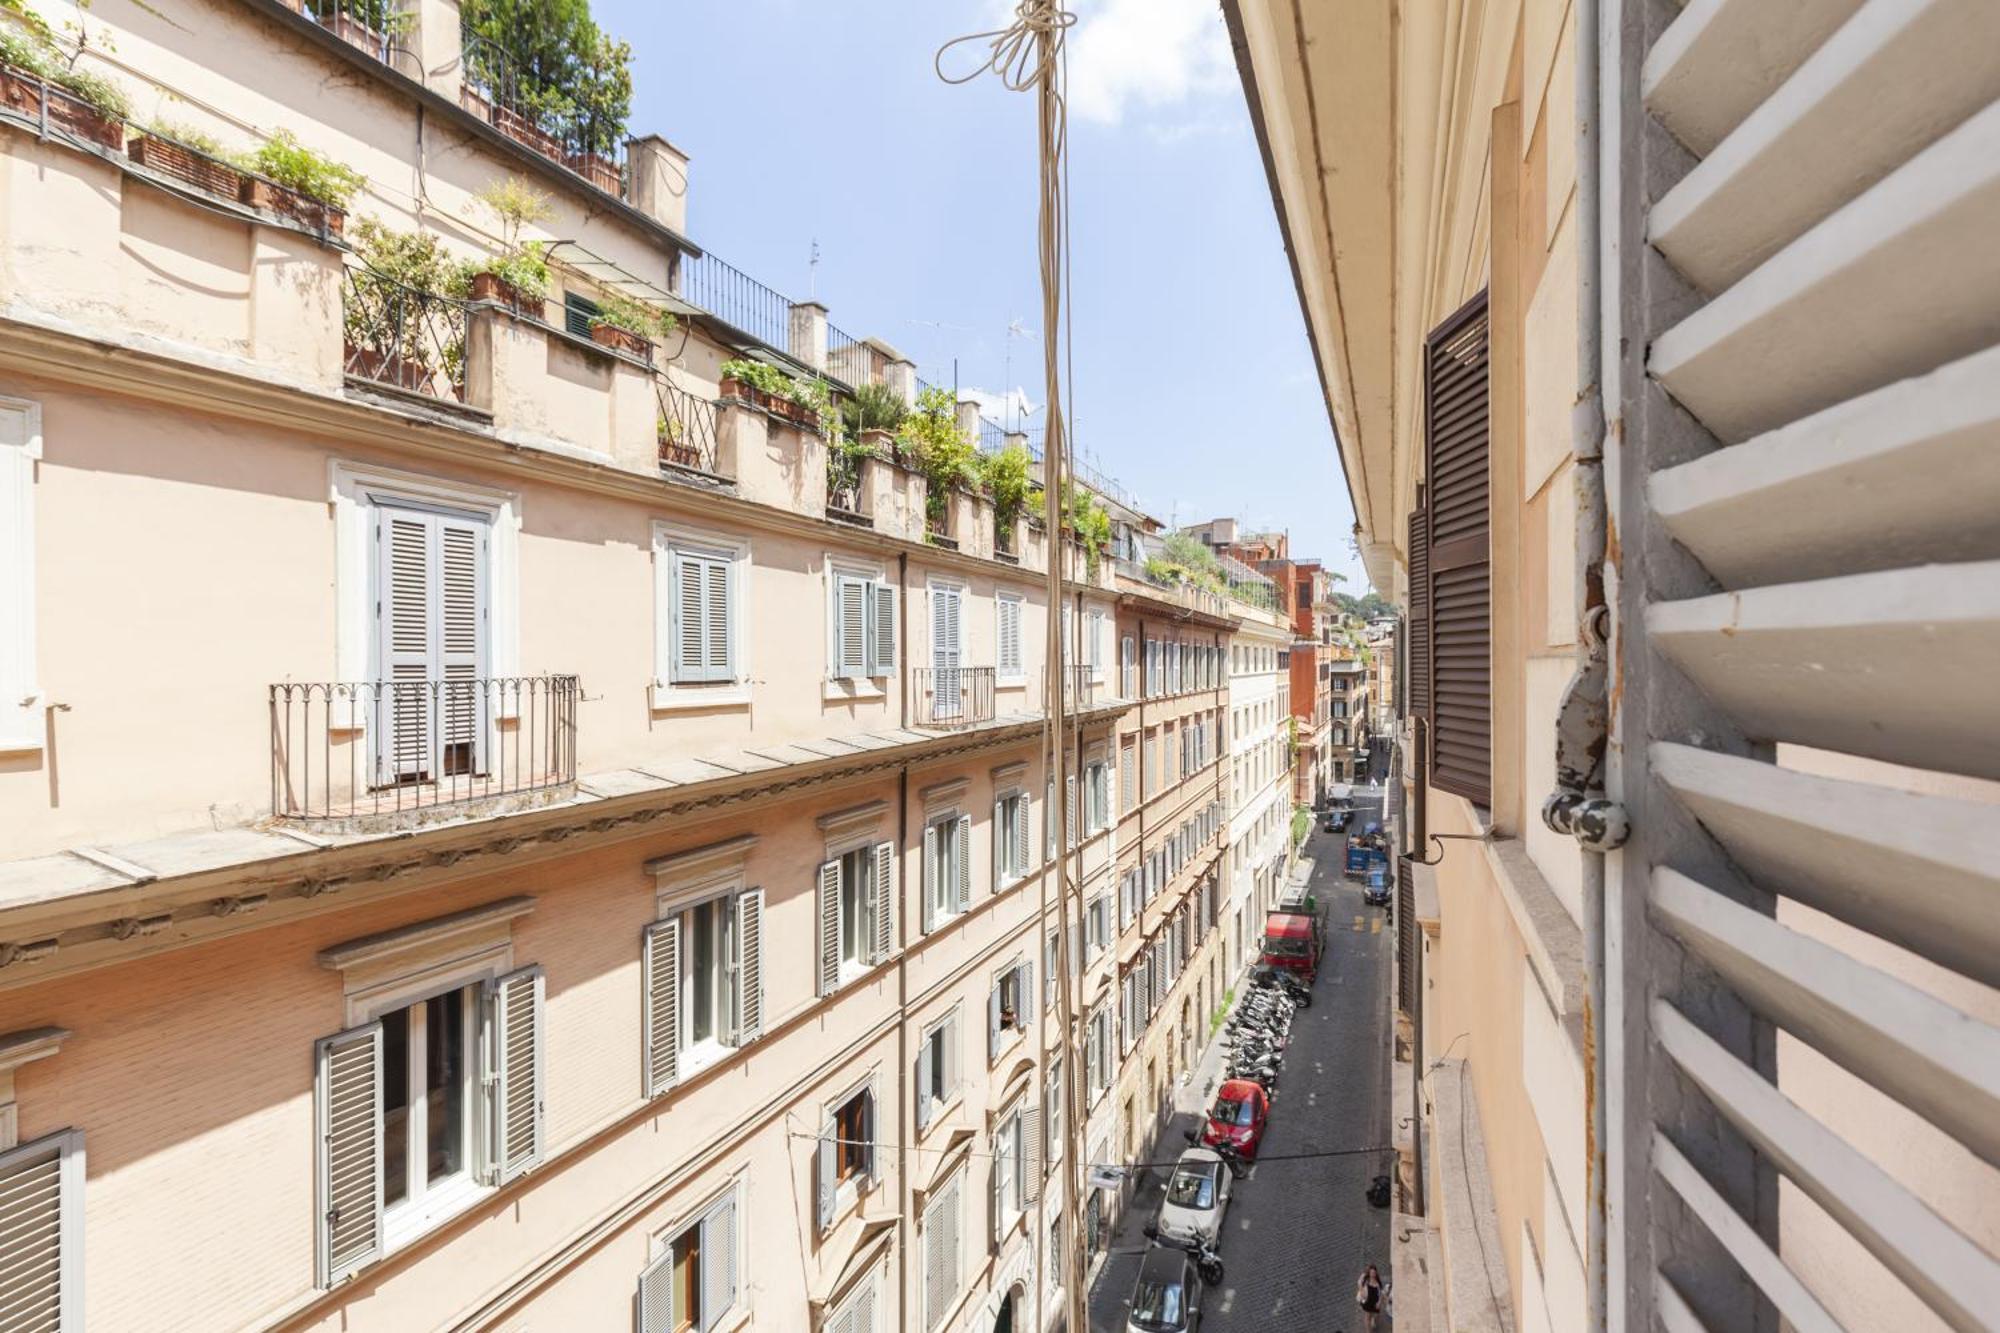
x=816, y=120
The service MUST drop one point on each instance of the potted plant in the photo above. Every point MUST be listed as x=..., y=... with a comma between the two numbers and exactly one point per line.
x=518, y=277
x=284, y=176
x=1006, y=477
x=630, y=326
x=873, y=415
x=601, y=97
x=931, y=441
x=187, y=155
x=85, y=105
x=400, y=324
x=755, y=383
x=675, y=447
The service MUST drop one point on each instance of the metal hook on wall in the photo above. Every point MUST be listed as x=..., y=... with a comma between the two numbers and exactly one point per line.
x=1439, y=838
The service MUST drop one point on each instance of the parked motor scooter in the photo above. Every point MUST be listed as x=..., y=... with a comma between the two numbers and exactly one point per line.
x=1205, y=1257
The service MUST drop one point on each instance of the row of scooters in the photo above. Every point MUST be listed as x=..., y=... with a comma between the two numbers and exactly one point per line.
x=1257, y=1033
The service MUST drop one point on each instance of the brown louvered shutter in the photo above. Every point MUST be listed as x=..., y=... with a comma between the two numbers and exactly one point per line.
x=1406, y=938
x=1457, y=445
x=1419, y=688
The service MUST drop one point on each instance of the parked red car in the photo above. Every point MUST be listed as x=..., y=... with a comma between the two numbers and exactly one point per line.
x=1241, y=1108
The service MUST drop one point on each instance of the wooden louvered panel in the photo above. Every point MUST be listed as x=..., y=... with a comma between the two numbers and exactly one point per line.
x=518, y=1091
x=750, y=964
x=883, y=630
x=1456, y=518
x=1420, y=610
x=885, y=892
x=350, y=1151
x=715, y=619
x=31, y=1239
x=829, y=927
x=851, y=628
x=689, y=580
x=661, y=956
x=1406, y=938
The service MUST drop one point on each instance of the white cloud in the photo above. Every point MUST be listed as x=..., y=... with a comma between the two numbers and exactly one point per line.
x=1146, y=54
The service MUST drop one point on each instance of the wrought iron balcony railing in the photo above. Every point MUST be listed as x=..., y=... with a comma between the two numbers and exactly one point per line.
x=501, y=92
x=951, y=697
x=401, y=337
x=687, y=429
x=381, y=752
x=379, y=27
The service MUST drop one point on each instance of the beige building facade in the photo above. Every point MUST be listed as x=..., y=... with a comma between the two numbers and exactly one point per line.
x=504, y=831
x=1657, y=522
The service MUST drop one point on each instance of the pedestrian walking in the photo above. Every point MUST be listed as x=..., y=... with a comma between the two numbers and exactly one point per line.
x=1368, y=1294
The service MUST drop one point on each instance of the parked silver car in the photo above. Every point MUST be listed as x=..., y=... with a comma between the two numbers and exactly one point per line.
x=1197, y=1197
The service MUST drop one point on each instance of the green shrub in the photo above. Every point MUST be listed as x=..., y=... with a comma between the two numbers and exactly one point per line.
x=623, y=312
x=931, y=442
x=525, y=269
x=759, y=375
x=1005, y=474
x=188, y=137
x=282, y=158
x=874, y=407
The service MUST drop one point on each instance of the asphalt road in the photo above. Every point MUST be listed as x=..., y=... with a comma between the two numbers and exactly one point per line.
x=1300, y=1228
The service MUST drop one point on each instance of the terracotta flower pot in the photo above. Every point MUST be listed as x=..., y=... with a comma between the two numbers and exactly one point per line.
x=623, y=340
x=275, y=198
x=492, y=287
x=598, y=169
x=183, y=163
x=23, y=92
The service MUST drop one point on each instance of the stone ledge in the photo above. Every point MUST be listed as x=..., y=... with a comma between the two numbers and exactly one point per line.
x=1477, y=1293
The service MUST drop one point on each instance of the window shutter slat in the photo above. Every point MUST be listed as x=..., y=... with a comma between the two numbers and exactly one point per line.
x=1019, y=834
x=850, y=628
x=660, y=972
x=925, y=1074
x=41, y=1232
x=885, y=901
x=964, y=861
x=719, y=637
x=829, y=927
x=1031, y=1151
x=685, y=613
x=882, y=631
x=515, y=1005
x=656, y=1294
x=1419, y=685
x=931, y=888
x=349, y=1096
x=750, y=964
x=1458, y=602
x=718, y=1262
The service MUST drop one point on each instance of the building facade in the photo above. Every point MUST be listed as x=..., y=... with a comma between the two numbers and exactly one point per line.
x=1656, y=522
x=573, y=847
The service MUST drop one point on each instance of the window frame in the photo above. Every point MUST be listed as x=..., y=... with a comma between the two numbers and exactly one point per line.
x=23, y=724
x=669, y=691
x=1003, y=674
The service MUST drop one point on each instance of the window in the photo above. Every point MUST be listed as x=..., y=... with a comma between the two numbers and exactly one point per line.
x=947, y=868
x=1096, y=926
x=1008, y=1007
x=433, y=573
x=948, y=688
x=937, y=1068
x=942, y=1240
x=1128, y=774
x=1095, y=629
x=1097, y=1050
x=1128, y=668
x=856, y=907
x=692, y=1281
x=399, y=1098
x=1052, y=1108
x=1010, y=838
x=700, y=595
x=856, y=1312
x=579, y=314
x=844, y=1161
x=1097, y=796
x=862, y=627
x=1009, y=661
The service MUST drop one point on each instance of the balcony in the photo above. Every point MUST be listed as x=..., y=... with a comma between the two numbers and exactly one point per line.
x=687, y=430
x=400, y=338
x=949, y=698
x=377, y=755
x=1081, y=688
x=497, y=91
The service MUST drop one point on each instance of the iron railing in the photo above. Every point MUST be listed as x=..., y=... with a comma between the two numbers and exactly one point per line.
x=1081, y=688
x=379, y=27
x=404, y=338
x=383, y=750
x=850, y=360
x=1005, y=538
x=687, y=430
x=737, y=299
x=843, y=484
x=951, y=697
x=992, y=436
x=499, y=91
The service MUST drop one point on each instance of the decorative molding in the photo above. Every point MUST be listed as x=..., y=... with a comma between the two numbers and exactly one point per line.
x=834, y=821
x=17, y=1049
x=424, y=935
x=941, y=794
x=1010, y=773
x=702, y=862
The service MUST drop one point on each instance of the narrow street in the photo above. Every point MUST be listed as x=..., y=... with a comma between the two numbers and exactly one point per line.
x=1299, y=1228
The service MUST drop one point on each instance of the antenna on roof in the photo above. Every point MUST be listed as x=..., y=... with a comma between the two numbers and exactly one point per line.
x=812, y=272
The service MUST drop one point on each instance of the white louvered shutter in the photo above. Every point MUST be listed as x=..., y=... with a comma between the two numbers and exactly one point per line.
x=945, y=646
x=1008, y=611
x=942, y=1243
x=514, y=1006
x=1019, y=834
x=1128, y=775
x=993, y=1024
x=1031, y=1153
x=954, y=1057
x=882, y=630
x=348, y=1096
x=828, y=969
x=1053, y=1131
x=461, y=635
x=41, y=1234
x=850, y=627
x=884, y=889
x=660, y=982
x=932, y=890
x=686, y=579
x=750, y=965
x=926, y=1074
x=999, y=837
x=718, y=618
x=702, y=613
x=962, y=858
x=1069, y=806
x=656, y=1295
x=405, y=619
x=718, y=1262
x=825, y=1166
